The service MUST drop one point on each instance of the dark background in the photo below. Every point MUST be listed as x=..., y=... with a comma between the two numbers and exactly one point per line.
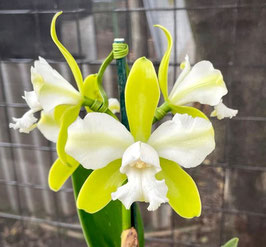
x=232, y=180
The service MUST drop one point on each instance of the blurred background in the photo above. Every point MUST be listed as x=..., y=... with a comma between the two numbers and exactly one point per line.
x=232, y=180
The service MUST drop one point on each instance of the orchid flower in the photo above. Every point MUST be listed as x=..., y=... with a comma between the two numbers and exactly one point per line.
x=149, y=162
x=202, y=83
x=59, y=103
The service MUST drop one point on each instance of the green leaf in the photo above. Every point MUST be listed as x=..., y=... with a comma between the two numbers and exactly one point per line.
x=231, y=243
x=182, y=192
x=96, y=191
x=68, y=117
x=163, y=68
x=142, y=96
x=103, y=228
x=192, y=111
x=69, y=58
x=59, y=173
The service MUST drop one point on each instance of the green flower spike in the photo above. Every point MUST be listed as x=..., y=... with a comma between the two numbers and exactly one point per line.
x=201, y=83
x=150, y=162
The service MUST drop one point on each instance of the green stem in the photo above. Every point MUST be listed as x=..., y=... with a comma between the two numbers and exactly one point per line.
x=126, y=218
x=101, y=71
x=97, y=106
x=122, y=78
x=161, y=111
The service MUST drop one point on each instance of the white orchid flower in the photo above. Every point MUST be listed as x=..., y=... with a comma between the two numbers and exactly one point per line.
x=148, y=161
x=50, y=91
x=201, y=83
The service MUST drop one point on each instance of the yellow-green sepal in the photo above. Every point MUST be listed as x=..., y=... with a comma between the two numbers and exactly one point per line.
x=163, y=68
x=96, y=191
x=91, y=89
x=192, y=111
x=68, y=117
x=69, y=58
x=142, y=95
x=59, y=173
x=231, y=243
x=182, y=192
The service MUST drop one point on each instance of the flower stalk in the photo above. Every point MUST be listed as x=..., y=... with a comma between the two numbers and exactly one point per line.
x=129, y=217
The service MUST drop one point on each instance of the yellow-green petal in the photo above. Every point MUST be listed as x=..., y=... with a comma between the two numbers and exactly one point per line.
x=182, y=192
x=60, y=172
x=142, y=94
x=96, y=191
x=91, y=88
x=163, y=68
x=68, y=117
x=69, y=58
x=192, y=111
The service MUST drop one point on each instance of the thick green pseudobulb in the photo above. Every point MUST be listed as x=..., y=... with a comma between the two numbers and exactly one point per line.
x=142, y=95
x=182, y=192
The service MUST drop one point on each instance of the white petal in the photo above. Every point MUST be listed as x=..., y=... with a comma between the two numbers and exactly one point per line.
x=26, y=123
x=32, y=100
x=140, y=163
x=51, y=88
x=202, y=84
x=142, y=186
x=48, y=126
x=185, y=66
x=114, y=105
x=97, y=140
x=221, y=111
x=140, y=155
x=184, y=140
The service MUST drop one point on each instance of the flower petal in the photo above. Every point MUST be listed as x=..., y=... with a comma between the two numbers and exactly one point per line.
x=192, y=111
x=140, y=163
x=32, y=101
x=182, y=192
x=142, y=186
x=163, y=68
x=91, y=88
x=142, y=96
x=59, y=173
x=184, y=140
x=202, y=84
x=96, y=191
x=48, y=126
x=221, y=111
x=69, y=58
x=97, y=140
x=68, y=117
x=114, y=105
x=51, y=88
x=26, y=123
x=140, y=155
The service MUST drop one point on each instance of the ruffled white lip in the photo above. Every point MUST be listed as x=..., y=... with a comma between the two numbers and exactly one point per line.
x=26, y=123
x=140, y=163
x=221, y=111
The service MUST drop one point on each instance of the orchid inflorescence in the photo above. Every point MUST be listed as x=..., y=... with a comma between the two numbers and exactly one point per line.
x=128, y=165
